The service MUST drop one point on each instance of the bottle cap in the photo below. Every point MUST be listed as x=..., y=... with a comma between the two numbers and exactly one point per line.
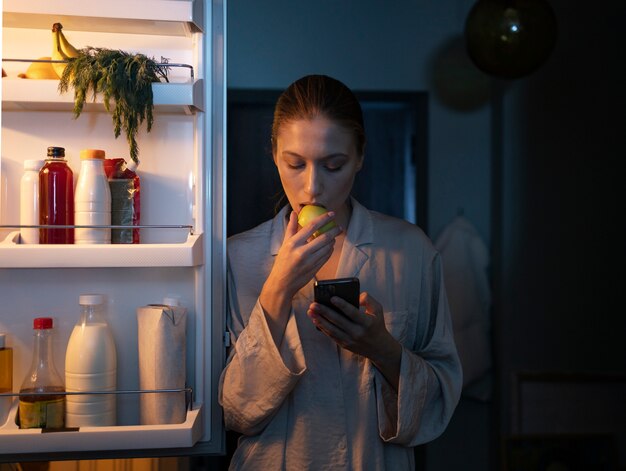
x=171, y=301
x=90, y=299
x=42, y=323
x=2, y=338
x=90, y=154
x=33, y=164
x=56, y=152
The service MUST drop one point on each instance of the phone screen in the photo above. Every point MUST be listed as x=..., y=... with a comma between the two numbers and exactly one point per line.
x=345, y=288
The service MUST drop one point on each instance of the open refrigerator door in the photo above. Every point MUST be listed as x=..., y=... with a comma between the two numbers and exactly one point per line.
x=181, y=254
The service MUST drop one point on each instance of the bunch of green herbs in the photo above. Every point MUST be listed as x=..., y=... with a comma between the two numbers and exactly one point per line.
x=121, y=77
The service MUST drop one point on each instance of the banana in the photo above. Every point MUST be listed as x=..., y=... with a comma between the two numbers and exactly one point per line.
x=61, y=48
x=40, y=70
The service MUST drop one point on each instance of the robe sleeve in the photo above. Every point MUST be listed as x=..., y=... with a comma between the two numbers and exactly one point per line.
x=430, y=373
x=259, y=375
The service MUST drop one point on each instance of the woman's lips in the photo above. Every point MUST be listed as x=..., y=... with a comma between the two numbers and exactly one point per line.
x=302, y=205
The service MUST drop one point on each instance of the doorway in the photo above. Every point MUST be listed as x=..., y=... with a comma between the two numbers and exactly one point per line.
x=393, y=179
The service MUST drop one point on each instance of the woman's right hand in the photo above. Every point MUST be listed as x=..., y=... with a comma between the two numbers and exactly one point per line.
x=301, y=256
x=298, y=260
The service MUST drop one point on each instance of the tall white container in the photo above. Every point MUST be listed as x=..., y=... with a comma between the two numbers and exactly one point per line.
x=91, y=365
x=161, y=346
x=29, y=201
x=92, y=199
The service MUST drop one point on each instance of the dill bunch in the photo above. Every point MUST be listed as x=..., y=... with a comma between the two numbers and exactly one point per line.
x=120, y=77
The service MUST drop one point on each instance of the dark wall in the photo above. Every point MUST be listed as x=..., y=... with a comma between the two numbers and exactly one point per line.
x=560, y=301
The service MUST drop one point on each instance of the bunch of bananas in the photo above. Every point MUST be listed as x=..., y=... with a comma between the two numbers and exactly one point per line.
x=61, y=51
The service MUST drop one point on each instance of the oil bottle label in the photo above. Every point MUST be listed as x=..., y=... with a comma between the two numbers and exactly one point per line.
x=42, y=414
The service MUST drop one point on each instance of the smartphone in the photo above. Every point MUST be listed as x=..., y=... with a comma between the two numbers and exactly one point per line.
x=345, y=288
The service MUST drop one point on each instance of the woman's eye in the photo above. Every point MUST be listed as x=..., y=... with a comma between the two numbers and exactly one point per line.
x=334, y=169
x=295, y=166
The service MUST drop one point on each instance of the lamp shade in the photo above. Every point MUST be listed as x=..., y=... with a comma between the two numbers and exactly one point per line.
x=510, y=38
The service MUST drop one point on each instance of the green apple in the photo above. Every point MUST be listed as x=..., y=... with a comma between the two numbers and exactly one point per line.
x=310, y=212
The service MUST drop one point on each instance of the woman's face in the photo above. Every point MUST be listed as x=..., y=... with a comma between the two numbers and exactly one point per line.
x=317, y=161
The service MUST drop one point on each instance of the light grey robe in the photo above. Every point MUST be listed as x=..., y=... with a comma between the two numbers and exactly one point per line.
x=310, y=405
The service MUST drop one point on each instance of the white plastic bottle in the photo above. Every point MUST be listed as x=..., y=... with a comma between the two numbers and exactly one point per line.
x=91, y=365
x=29, y=201
x=92, y=199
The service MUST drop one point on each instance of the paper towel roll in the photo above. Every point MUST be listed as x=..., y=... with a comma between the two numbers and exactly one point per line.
x=162, y=347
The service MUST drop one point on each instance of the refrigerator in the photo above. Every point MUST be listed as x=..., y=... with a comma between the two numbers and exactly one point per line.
x=182, y=249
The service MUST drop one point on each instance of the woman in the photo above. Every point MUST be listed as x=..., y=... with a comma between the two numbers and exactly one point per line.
x=310, y=387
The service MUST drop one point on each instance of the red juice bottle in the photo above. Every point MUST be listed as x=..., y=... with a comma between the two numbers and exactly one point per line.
x=56, y=198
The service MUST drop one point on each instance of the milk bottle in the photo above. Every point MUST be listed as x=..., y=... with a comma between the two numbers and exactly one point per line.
x=91, y=365
x=92, y=199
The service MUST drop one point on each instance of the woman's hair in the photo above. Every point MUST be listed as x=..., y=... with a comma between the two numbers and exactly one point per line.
x=320, y=95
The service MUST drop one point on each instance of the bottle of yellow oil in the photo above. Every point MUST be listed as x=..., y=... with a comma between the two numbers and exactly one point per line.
x=42, y=402
x=6, y=377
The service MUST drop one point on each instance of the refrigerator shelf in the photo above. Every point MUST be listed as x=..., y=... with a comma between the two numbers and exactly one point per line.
x=185, y=254
x=121, y=437
x=42, y=95
x=158, y=17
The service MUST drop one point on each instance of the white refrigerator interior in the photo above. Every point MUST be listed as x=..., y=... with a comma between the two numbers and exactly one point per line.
x=181, y=171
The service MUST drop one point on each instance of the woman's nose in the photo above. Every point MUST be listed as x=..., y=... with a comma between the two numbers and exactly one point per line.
x=313, y=182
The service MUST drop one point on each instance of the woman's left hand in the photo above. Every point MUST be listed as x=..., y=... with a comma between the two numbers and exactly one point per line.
x=361, y=331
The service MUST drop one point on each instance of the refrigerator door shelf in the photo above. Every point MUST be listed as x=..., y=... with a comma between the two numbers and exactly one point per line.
x=124, y=437
x=158, y=17
x=186, y=254
x=43, y=95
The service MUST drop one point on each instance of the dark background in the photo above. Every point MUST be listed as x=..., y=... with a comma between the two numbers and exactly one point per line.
x=556, y=146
